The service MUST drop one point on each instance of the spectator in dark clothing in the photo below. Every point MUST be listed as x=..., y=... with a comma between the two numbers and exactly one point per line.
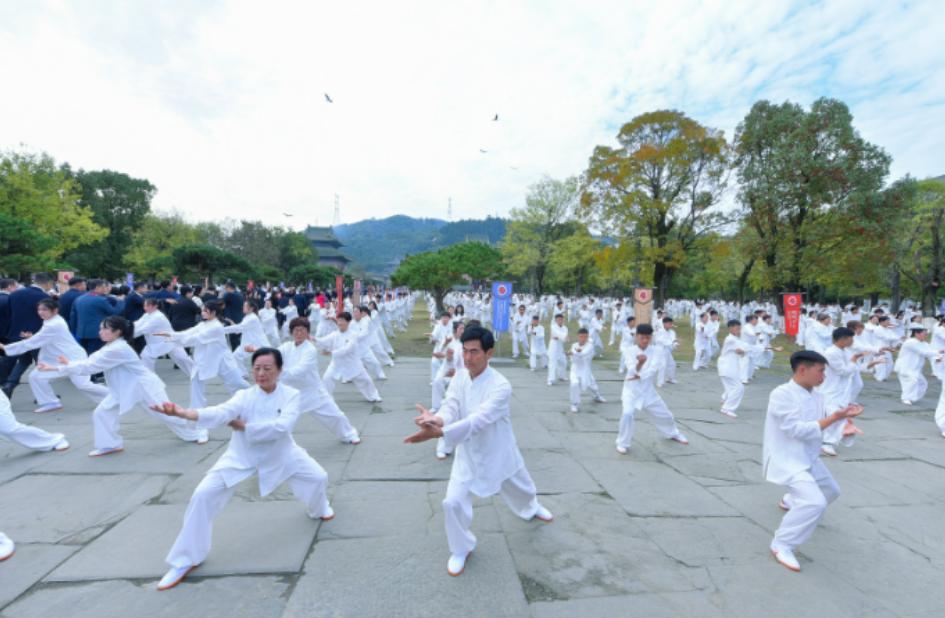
x=76, y=289
x=184, y=313
x=134, y=309
x=23, y=319
x=89, y=310
x=233, y=310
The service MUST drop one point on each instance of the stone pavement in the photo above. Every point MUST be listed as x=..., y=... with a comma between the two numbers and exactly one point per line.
x=667, y=530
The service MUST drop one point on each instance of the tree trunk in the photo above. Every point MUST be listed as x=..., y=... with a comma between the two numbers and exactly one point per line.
x=895, y=287
x=438, y=296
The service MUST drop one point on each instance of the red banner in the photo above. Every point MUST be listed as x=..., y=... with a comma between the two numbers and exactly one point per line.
x=340, y=290
x=356, y=296
x=792, y=314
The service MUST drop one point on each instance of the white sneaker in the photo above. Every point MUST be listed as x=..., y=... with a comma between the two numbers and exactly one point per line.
x=906, y=402
x=544, y=515
x=680, y=438
x=378, y=400
x=7, y=547
x=49, y=407
x=441, y=456
x=174, y=576
x=729, y=413
x=786, y=558
x=574, y=409
x=623, y=450
x=203, y=439
x=355, y=440
x=62, y=445
x=828, y=449
x=550, y=384
x=783, y=505
x=456, y=565
x=600, y=399
x=100, y=452
x=328, y=516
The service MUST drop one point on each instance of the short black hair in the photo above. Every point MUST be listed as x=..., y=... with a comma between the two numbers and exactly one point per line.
x=559, y=315
x=842, y=332
x=344, y=315
x=276, y=355
x=300, y=321
x=50, y=303
x=6, y=282
x=42, y=278
x=583, y=331
x=482, y=335
x=644, y=329
x=76, y=281
x=667, y=320
x=444, y=314
x=806, y=358
x=732, y=323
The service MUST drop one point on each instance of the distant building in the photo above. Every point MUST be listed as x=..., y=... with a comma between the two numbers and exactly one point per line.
x=328, y=246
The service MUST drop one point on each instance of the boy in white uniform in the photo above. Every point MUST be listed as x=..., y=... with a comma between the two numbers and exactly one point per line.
x=794, y=429
x=582, y=378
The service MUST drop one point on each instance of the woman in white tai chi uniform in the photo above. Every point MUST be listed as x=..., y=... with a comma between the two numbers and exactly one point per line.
x=154, y=321
x=130, y=384
x=212, y=357
x=252, y=335
x=344, y=348
x=262, y=419
x=53, y=340
x=300, y=371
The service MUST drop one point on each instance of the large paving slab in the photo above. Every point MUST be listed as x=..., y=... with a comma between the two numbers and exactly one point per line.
x=72, y=508
x=259, y=597
x=30, y=563
x=406, y=577
x=248, y=538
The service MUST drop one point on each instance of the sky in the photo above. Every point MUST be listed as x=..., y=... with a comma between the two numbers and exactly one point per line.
x=222, y=105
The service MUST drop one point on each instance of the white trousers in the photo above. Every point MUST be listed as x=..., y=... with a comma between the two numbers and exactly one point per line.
x=537, y=358
x=883, y=370
x=24, y=435
x=519, y=338
x=667, y=370
x=734, y=391
x=518, y=491
x=106, y=422
x=193, y=542
x=327, y=412
x=809, y=493
x=557, y=365
x=662, y=419
x=372, y=365
x=362, y=381
x=940, y=411
x=231, y=378
x=435, y=367
x=381, y=354
x=700, y=358
x=41, y=385
x=913, y=386
x=576, y=390
x=178, y=354
x=438, y=391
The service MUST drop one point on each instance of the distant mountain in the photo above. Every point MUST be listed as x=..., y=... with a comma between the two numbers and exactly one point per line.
x=378, y=245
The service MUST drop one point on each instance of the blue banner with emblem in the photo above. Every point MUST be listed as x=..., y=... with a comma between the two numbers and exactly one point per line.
x=501, y=305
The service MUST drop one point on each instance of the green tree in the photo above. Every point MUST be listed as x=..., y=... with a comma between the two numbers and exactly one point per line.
x=19, y=244
x=438, y=271
x=923, y=259
x=154, y=241
x=294, y=251
x=531, y=234
x=119, y=203
x=207, y=260
x=36, y=193
x=573, y=263
x=657, y=189
x=320, y=276
x=794, y=167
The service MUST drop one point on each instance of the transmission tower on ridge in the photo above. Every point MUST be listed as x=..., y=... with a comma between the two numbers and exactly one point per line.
x=336, y=219
x=449, y=209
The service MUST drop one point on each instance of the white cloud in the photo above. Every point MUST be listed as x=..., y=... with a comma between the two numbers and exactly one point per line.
x=221, y=105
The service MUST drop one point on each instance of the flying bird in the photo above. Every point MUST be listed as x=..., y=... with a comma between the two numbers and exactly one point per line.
x=512, y=167
x=495, y=118
x=285, y=214
x=328, y=98
x=483, y=151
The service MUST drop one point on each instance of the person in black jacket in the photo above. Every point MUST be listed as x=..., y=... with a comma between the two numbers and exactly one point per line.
x=184, y=313
x=233, y=310
x=23, y=319
x=77, y=286
x=134, y=309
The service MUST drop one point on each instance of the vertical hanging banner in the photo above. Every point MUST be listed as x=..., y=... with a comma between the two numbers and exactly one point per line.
x=792, y=313
x=130, y=280
x=250, y=285
x=356, y=295
x=501, y=305
x=340, y=291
